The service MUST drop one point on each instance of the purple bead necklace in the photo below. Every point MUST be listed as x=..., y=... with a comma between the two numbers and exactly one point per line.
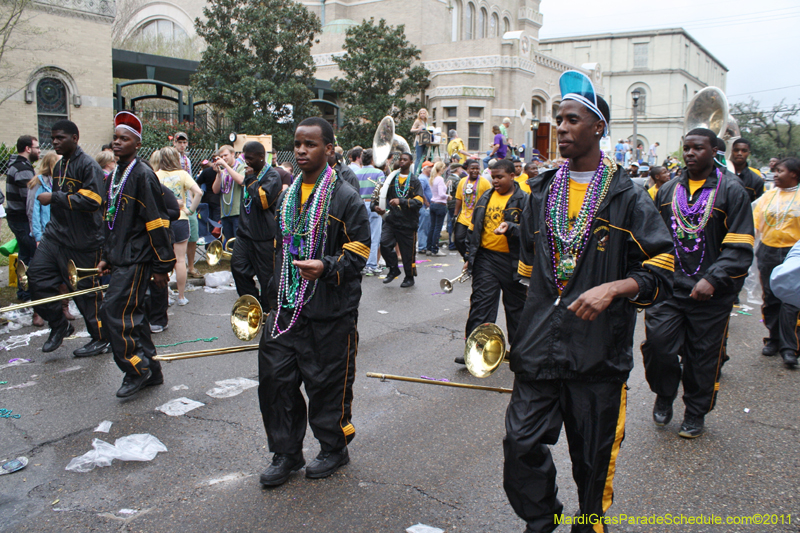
x=689, y=221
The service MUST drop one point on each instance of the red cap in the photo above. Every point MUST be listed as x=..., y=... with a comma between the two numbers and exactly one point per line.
x=129, y=121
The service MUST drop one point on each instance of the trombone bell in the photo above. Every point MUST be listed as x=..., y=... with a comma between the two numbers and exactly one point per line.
x=485, y=350
x=247, y=318
x=75, y=274
x=22, y=275
x=215, y=253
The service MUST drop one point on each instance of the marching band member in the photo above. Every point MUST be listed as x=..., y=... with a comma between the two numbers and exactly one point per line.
x=751, y=178
x=311, y=337
x=494, y=252
x=711, y=222
x=401, y=197
x=137, y=247
x=74, y=232
x=595, y=249
x=467, y=193
x=254, y=251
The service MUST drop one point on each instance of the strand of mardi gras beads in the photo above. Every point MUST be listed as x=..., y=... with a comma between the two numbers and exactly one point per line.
x=248, y=200
x=779, y=218
x=115, y=189
x=305, y=234
x=567, y=240
x=689, y=221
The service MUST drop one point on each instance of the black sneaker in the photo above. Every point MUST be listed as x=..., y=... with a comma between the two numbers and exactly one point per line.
x=770, y=348
x=662, y=410
x=156, y=378
x=56, y=337
x=407, y=282
x=326, y=463
x=131, y=384
x=460, y=360
x=789, y=358
x=692, y=426
x=391, y=275
x=281, y=468
x=93, y=348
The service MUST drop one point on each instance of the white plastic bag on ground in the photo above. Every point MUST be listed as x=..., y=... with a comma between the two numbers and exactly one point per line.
x=231, y=387
x=179, y=406
x=137, y=447
x=218, y=279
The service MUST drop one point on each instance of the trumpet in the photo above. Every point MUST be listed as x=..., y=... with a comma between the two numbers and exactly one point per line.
x=447, y=284
x=484, y=352
x=75, y=274
x=247, y=319
x=217, y=253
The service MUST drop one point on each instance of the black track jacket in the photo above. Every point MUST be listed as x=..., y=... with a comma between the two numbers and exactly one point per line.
x=346, y=252
x=628, y=240
x=260, y=224
x=728, y=235
x=141, y=229
x=406, y=215
x=76, y=217
x=512, y=215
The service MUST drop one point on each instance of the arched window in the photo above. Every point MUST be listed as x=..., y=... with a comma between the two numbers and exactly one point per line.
x=162, y=29
x=456, y=20
x=494, y=22
x=469, y=22
x=482, y=24
x=51, y=105
x=506, y=25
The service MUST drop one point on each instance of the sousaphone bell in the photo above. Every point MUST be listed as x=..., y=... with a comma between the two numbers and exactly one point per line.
x=386, y=142
x=709, y=109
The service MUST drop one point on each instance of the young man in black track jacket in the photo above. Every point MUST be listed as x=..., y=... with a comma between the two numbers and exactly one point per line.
x=137, y=247
x=694, y=322
x=572, y=352
x=493, y=256
x=401, y=222
x=75, y=232
x=319, y=349
x=254, y=249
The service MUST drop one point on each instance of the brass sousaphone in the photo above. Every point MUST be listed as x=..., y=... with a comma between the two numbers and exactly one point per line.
x=709, y=109
x=484, y=352
x=386, y=142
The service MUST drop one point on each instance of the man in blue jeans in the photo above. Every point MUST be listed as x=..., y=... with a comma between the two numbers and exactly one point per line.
x=425, y=211
x=370, y=177
x=20, y=172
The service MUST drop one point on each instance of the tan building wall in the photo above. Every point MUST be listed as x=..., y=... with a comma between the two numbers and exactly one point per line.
x=668, y=66
x=72, y=45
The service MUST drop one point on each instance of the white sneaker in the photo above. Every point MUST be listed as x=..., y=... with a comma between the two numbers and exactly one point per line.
x=157, y=329
x=171, y=301
x=182, y=301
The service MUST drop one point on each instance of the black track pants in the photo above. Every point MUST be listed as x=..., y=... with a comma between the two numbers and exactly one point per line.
x=406, y=239
x=593, y=415
x=255, y=259
x=124, y=320
x=696, y=332
x=48, y=270
x=781, y=319
x=460, y=236
x=321, y=356
x=157, y=305
x=493, y=272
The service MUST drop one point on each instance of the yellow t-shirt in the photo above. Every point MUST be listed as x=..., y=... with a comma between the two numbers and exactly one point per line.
x=521, y=179
x=454, y=147
x=652, y=191
x=179, y=182
x=768, y=215
x=694, y=185
x=493, y=217
x=577, y=192
x=483, y=185
x=305, y=191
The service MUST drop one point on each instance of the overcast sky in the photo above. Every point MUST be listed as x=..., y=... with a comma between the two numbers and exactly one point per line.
x=759, y=41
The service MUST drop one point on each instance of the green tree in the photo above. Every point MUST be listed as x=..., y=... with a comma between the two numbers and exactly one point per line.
x=258, y=67
x=772, y=132
x=379, y=79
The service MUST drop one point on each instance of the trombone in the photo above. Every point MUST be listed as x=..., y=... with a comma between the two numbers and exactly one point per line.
x=216, y=253
x=247, y=319
x=22, y=275
x=484, y=352
x=447, y=284
x=74, y=275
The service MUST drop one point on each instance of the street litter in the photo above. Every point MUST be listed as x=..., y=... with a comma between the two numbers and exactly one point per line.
x=127, y=511
x=6, y=413
x=70, y=369
x=179, y=387
x=103, y=427
x=382, y=312
x=218, y=279
x=746, y=410
x=16, y=341
x=79, y=335
x=12, y=466
x=20, y=386
x=137, y=447
x=231, y=387
x=743, y=313
x=422, y=528
x=179, y=406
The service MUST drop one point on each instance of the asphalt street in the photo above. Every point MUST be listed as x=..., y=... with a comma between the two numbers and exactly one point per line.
x=422, y=454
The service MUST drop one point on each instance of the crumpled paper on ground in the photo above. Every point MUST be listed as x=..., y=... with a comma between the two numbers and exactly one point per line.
x=231, y=387
x=137, y=447
x=179, y=406
x=422, y=528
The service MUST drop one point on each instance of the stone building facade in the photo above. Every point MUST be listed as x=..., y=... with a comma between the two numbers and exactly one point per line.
x=667, y=66
x=60, y=68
